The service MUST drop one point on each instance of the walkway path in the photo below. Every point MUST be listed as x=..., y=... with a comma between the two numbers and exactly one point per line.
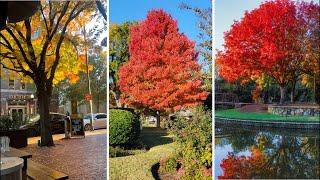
x=82, y=158
x=139, y=166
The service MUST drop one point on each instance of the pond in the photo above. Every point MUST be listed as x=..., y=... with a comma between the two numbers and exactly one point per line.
x=249, y=152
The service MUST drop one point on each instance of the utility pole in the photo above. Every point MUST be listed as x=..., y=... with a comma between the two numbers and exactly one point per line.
x=88, y=75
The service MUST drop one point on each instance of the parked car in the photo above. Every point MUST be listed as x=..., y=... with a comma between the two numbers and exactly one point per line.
x=99, y=121
x=57, y=124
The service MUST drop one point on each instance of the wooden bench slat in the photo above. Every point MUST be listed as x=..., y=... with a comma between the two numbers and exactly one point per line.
x=39, y=171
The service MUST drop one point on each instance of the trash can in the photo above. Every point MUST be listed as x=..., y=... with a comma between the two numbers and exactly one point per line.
x=77, y=126
x=67, y=128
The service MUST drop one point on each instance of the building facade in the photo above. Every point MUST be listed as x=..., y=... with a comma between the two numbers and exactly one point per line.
x=17, y=97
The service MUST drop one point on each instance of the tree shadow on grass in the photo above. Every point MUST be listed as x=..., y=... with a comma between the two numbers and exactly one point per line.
x=154, y=171
x=151, y=137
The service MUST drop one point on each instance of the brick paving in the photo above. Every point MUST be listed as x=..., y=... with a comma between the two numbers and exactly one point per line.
x=81, y=158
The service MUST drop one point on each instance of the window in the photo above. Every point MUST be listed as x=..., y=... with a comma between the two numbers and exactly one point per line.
x=101, y=116
x=23, y=85
x=11, y=83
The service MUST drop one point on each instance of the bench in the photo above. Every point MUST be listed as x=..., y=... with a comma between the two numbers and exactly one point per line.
x=21, y=154
x=38, y=171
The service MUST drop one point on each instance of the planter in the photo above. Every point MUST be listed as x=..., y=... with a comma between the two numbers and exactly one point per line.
x=18, y=138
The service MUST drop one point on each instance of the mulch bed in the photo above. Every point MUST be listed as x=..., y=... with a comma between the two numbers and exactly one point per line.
x=259, y=108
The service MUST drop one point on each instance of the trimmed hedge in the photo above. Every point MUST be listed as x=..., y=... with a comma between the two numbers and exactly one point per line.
x=124, y=127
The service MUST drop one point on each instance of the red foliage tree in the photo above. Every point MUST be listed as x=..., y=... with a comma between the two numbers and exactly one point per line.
x=245, y=167
x=264, y=41
x=162, y=73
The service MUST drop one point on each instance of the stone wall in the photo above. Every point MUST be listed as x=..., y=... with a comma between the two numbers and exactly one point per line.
x=294, y=110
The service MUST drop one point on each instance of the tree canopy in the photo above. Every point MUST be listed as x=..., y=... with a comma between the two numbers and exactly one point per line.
x=269, y=40
x=42, y=49
x=162, y=72
x=119, y=52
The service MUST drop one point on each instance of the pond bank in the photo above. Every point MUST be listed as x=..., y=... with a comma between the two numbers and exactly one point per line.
x=269, y=123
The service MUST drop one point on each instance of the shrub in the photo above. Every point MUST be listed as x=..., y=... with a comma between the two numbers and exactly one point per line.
x=7, y=123
x=124, y=127
x=194, y=139
x=168, y=165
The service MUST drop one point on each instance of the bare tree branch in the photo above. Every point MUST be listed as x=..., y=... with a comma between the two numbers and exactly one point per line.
x=20, y=47
x=70, y=18
x=50, y=36
x=28, y=41
x=45, y=20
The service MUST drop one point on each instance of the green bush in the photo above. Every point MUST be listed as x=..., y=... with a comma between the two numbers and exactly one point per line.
x=124, y=127
x=194, y=139
x=7, y=123
x=168, y=165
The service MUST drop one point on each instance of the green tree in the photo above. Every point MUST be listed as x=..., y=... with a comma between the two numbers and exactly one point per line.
x=119, y=54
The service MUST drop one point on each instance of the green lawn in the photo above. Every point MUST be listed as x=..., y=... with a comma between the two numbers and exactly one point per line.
x=139, y=166
x=235, y=114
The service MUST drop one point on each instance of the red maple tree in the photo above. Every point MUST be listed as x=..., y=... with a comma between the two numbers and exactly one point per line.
x=264, y=41
x=245, y=167
x=162, y=73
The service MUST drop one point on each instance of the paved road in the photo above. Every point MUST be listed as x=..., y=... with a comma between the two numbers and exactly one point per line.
x=83, y=158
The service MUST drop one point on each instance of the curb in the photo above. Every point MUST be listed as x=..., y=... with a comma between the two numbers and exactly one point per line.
x=258, y=123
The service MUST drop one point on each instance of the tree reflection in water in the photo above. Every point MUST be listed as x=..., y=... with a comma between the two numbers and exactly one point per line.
x=274, y=153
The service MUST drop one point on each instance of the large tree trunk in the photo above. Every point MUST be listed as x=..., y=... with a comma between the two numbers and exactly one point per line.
x=316, y=88
x=116, y=97
x=158, y=120
x=44, y=97
x=292, y=95
x=98, y=102
x=282, y=94
x=266, y=96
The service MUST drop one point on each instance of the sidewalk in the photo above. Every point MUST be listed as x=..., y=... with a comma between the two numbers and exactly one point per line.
x=34, y=140
x=81, y=158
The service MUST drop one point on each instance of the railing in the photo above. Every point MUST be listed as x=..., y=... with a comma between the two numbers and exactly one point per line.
x=226, y=98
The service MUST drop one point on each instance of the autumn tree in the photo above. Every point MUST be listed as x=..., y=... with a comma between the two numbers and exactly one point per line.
x=98, y=77
x=204, y=25
x=162, y=74
x=119, y=54
x=309, y=17
x=69, y=91
x=41, y=49
x=245, y=167
x=263, y=42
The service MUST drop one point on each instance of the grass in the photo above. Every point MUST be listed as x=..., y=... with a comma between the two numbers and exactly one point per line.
x=138, y=166
x=235, y=114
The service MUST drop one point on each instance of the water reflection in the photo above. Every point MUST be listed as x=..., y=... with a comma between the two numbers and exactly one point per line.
x=247, y=152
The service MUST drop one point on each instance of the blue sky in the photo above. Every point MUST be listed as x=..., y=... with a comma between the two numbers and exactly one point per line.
x=126, y=10
x=226, y=11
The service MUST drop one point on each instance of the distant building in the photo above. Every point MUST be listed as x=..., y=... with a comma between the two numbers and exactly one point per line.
x=83, y=107
x=17, y=96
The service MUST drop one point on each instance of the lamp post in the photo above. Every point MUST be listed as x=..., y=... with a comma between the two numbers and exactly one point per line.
x=88, y=76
